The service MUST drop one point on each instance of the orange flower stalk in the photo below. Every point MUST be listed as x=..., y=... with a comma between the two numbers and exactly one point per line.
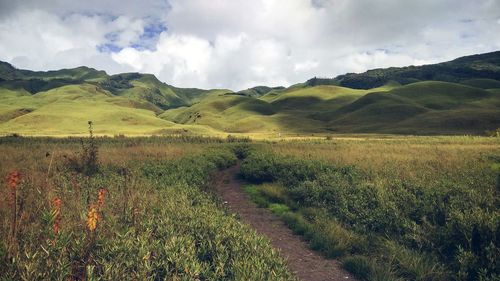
x=92, y=218
x=101, y=197
x=13, y=179
x=57, y=214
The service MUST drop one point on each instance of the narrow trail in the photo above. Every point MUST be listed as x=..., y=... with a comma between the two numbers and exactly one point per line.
x=306, y=264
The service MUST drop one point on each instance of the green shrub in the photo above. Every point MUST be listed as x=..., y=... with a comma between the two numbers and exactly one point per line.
x=360, y=266
x=278, y=209
x=254, y=193
x=272, y=192
x=370, y=269
x=413, y=265
x=242, y=150
x=439, y=228
x=297, y=223
x=156, y=224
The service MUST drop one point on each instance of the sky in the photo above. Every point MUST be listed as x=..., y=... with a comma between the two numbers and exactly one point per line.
x=237, y=44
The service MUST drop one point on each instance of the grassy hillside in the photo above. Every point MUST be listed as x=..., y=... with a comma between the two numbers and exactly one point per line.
x=394, y=100
x=284, y=110
x=421, y=108
x=135, y=86
x=228, y=113
x=259, y=91
x=66, y=111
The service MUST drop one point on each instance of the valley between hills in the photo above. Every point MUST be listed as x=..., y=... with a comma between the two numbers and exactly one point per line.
x=460, y=97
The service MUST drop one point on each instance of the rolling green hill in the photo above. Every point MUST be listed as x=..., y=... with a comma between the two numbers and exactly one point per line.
x=259, y=91
x=421, y=108
x=457, y=97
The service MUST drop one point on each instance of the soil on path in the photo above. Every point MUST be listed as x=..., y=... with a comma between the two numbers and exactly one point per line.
x=306, y=264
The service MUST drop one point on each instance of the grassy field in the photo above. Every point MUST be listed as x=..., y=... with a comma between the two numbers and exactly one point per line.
x=390, y=171
x=389, y=207
x=139, y=212
x=415, y=159
x=411, y=208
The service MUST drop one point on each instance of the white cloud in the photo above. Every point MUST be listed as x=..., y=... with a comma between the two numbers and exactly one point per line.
x=180, y=58
x=36, y=39
x=305, y=66
x=238, y=43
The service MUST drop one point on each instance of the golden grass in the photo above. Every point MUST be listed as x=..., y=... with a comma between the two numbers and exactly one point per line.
x=38, y=158
x=419, y=159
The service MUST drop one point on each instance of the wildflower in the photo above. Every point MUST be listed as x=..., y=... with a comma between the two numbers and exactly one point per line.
x=101, y=197
x=92, y=218
x=57, y=214
x=13, y=179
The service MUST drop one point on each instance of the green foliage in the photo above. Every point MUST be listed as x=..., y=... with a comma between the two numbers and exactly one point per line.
x=156, y=224
x=324, y=234
x=265, y=167
x=413, y=265
x=254, y=193
x=428, y=226
x=242, y=150
x=231, y=139
x=296, y=222
x=278, y=209
x=191, y=170
x=273, y=193
x=360, y=266
x=86, y=162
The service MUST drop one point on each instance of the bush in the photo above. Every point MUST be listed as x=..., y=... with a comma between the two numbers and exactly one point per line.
x=437, y=229
x=278, y=209
x=86, y=161
x=274, y=193
x=154, y=222
x=256, y=196
x=360, y=266
x=242, y=150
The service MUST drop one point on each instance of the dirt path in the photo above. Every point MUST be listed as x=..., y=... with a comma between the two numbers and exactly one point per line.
x=306, y=264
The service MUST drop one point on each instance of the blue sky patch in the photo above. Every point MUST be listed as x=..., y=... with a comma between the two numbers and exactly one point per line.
x=154, y=30
x=108, y=48
x=146, y=41
x=150, y=35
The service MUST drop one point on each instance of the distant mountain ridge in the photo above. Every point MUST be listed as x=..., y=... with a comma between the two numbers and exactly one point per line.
x=457, y=97
x=154, y=91
x=483, y=66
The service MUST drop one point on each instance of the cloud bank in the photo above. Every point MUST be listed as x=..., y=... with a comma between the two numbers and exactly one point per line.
x=238, y=44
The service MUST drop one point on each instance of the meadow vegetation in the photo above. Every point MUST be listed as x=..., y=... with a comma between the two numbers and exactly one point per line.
x=123, y=209
x=107, y=208
x=415, y=208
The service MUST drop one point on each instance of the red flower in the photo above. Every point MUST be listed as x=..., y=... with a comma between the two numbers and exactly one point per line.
x=57, y=214
x=13, y=179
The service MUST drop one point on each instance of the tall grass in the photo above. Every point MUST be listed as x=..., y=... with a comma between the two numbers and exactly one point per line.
x=142, y=215
x=416, y=208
